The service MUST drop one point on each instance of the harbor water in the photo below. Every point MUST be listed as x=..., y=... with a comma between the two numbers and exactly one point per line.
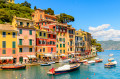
x=96, y=71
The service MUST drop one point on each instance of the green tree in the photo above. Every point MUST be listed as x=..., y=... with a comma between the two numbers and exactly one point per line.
x=35, y=7
x=49, y=11
x=26, y=4
x=64, y=18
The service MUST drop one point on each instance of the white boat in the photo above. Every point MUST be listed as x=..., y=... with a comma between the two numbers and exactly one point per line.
x=114, y=62
x=111, y=59
x=110, y=54
x=91, y=62
x=66, y=61
x=52, y=62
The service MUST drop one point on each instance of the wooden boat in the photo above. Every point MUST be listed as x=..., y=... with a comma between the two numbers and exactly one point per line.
x=70, y=68
x=45, y=64
x=110, y=64
x=111, y=59
x=97, y=60
x=14, y=67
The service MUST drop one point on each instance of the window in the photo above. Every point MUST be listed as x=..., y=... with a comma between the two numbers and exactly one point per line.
x=53, y=43
x=20, y=49
x=13, y=44
x=60, y=34
x=30, y=49
x=49, y=35
x=40, y=33
x=20, y=41
x=63, y=51
x=14, y=34
x=63, y=34
x=70, y=49
x=53, y=36
x=44, y=34
x=30, y=41
x=4, y=44
x=21, y=23
x=42, y=23
x=68, y=43
x=40, y=50
x=46, y=18
x=13, y=51
x=40, y=42
x=51, y=49
x=3, y=51
x=64, y=39
x=38, y=24
x=60, y=39
x=20, y=31
x=57, y=51
x=63, y=45
x=45, y=23
x=40, y=16
x=30, y=32
x=60, y=51
x=50, y=42
x=43, y=49
x=27, y=24
x=4, y=34
x=60, y=45
x=57, y=45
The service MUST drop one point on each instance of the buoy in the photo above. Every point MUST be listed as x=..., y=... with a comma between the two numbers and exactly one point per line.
x=20, y=75
x=87, y=78
x=94, y=73
x=16, y=77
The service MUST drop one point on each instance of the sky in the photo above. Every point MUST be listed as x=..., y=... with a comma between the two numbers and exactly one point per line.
x=99, y=17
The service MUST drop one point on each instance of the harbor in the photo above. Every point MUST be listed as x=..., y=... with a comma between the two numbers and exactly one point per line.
x=96, y=71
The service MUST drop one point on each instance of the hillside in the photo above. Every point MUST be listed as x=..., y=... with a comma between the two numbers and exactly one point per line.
x=110, y=45
x=7, y=11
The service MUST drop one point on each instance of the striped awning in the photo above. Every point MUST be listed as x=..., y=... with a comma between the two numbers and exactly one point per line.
x=8, y=57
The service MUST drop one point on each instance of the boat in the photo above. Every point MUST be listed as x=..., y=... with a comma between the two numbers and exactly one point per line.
x=110, y=54
x=91, y=62
x=82, y=61
x=97, y=60
x=52, y=62
x=64, y=69
x=14, y=67
x=66, y=61
x=111, y=59
x=109, y=65
x=45, y=64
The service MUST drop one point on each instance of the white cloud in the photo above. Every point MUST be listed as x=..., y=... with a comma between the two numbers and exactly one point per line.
x=104, y=33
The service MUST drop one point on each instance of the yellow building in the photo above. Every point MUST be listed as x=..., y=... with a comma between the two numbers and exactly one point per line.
x=8, y=43
x=10, y=1
x=70, y=40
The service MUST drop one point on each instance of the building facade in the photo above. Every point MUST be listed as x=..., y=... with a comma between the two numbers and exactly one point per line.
x=8, y=44
x=26, y=38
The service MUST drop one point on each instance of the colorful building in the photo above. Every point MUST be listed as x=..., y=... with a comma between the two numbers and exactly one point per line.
x=8, y=44
x=10, y=1
x=26, y=38
x=79, y=43
x=93, y=51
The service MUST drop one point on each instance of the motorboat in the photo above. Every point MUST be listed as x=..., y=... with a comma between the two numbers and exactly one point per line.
x=82, y=61
x=97, y=60
x=111, y=59
x=110, y=64
x=14, y=67
x=52, y=62
x=45, y=64
x=89, y=62
x=110, y=54
x=64, y=69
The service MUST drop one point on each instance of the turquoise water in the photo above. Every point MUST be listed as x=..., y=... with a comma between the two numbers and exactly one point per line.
x=96, y=71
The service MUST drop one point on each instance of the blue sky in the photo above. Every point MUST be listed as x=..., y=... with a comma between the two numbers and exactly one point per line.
x=87, y=13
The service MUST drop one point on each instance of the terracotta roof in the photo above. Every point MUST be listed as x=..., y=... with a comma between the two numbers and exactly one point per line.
x=7, y=27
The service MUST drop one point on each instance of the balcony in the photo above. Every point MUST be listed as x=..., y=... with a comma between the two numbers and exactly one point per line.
x=57, y=29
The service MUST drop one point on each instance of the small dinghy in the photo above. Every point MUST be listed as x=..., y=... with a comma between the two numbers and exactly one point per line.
x=110, y=55
x=64, y=69
x=14, y=67
x=111, y=59
x=97, y=60
x=45, y=64
x=52, y=62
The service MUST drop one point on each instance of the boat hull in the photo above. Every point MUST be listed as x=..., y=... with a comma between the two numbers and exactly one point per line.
x=108, y=66
x=45, y=64
x=13, y=67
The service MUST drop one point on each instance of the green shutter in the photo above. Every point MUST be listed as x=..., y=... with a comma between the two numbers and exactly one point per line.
x=64, y=39
x=20, y=31
x=20, y=41
x=4, y=51
x=60, y=45
x=63, y=45
x=30, y=32
x=20, y=49
x=4, y=44
x=13, y=51
x=30, y=42
x=30, y=49
x=64, y=51
x=57, y=45
x=14, y=44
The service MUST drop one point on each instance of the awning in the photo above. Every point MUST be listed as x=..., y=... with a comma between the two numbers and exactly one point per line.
x=31, y=56
x=55, y=55
x=48, y=55
x=4, y=58
x=25, y=58
x=62, y=55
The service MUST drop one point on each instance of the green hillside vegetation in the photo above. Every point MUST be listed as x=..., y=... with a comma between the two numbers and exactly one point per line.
x=98, y=45
x=7, y=11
